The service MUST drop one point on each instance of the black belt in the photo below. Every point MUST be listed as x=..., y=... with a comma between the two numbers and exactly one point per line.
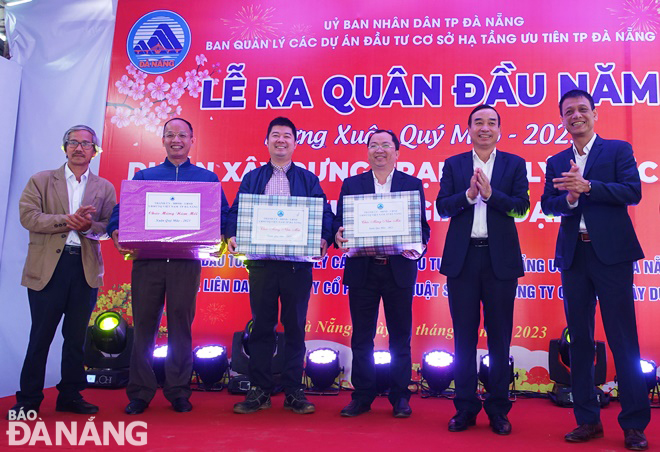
x=72, y=249
x=584, y=237
x=479, y=243
x=381, y=260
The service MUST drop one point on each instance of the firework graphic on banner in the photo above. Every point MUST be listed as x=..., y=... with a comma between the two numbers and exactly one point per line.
x=301, y=30
x=214, y=313
x=252, y=22
x=638, y=15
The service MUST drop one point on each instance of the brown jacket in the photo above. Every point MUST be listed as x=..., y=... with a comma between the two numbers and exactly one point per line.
x=43, y=207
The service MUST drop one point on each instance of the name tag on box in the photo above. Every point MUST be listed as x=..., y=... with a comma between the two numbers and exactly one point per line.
x=170, y=219
x=382, y=224
x=275, y=227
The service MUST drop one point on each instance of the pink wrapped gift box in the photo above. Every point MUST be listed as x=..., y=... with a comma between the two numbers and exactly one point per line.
x=168, y=219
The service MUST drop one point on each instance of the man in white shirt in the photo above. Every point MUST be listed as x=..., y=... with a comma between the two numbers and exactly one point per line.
x=390, y=278
x=590, y=185
x=482, y=191
x=66, y=211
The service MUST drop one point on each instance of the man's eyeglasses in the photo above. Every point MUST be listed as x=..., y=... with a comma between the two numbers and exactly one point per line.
x=384, y=146
x=73, y=144
x=171, y=135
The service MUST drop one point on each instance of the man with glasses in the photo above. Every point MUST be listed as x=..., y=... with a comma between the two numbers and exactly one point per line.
x=66, y=211
x=482, y=191
x=391, y=278
x=157, y=281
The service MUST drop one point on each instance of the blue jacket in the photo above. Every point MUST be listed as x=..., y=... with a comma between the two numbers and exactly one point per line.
x=168, y=171
x=615, y=185
x=510, y=198
x=301, y=183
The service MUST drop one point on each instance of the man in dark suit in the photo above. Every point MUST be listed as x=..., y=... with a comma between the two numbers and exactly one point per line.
x=66, y=211
x=591, y=185
x=391, y=278
x=482, y=191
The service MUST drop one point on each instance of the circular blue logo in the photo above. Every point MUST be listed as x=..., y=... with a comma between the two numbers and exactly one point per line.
x=158, y=42
x=380, y=206
x=280, y=213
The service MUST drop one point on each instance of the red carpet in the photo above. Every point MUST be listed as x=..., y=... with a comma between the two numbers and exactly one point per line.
x=212, y=426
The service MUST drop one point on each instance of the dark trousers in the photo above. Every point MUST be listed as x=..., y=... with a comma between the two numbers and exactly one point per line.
x=397, y=304
x=153, y=282
x=587, y=278
x=476, y=285
x=67, y=293
x=290, y=283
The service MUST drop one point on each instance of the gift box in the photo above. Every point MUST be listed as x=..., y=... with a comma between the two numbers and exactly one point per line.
x=382, y=224
x=170, y=220
x=275, y=227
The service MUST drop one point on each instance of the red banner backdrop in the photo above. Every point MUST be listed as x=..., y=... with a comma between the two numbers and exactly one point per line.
x=339, y=69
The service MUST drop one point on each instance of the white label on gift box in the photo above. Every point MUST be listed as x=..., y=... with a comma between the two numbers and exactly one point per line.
x=381, y=217
x=177, y=211
x=279, y=225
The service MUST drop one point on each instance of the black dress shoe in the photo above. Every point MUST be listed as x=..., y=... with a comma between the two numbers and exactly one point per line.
x=402, y=408
x=461, y=421
x=136, y=406
x=355, y=408
x=635, y=439
x=13, y=413
x=584, y=433
x=182, y=405
x=500, y=424
x=78, y=406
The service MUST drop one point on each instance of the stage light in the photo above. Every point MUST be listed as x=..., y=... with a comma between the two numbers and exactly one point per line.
x=649, y=369
x=240, y=359
x=564, y=344
x=484, y=370
x=109, y=332
x=382, y=360
x=559, y=367
x=322, y=368
x=107, y=349
x=158, y=365
x=210, y=363
x=437, y=370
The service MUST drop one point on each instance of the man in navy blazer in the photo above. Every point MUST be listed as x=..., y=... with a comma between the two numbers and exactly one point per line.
x=278, y=286
x=482, y=191
x=391, y=278
x=591, y=184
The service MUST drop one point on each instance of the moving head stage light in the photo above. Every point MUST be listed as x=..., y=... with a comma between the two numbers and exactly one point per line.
x=107, y=349
x=559, y=367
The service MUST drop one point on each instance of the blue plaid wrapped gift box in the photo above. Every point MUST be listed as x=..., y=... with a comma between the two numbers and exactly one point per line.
x=276, y=227
x=382, y=224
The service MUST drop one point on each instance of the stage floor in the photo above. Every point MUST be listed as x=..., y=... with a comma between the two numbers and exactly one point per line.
x=212, y=426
